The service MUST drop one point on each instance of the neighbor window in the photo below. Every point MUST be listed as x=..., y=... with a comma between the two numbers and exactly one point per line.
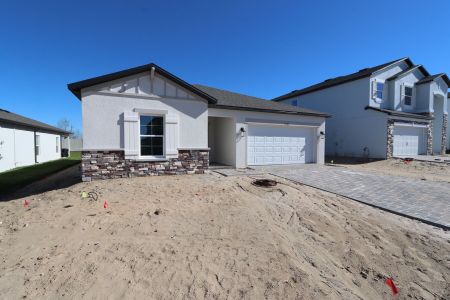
x=152, y=135
x=57, y=144
x=37, y=144
x=379, y=87
x=294, y=102
x=408, y=94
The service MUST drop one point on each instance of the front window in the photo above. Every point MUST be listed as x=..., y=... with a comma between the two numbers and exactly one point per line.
x=294, y=102
x=152, y=135
x=379, y=90
x=408, y=95
x=37, y=141
x=57, y=144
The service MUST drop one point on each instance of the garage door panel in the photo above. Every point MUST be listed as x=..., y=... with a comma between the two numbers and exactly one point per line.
x=409, y=140
x=279, y=145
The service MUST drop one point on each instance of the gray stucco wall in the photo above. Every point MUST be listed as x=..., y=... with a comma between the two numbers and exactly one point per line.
x=352, y=130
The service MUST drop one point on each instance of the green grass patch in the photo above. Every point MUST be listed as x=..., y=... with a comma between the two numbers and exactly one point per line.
x=75, y=155
x=17, y=178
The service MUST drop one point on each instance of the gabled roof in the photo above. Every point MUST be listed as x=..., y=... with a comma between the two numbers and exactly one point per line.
x=236, y=101
x=409, y=70
x=342, y=79
x=216, y=97
x=433, y=77
x=76, y=87
x=12, y=118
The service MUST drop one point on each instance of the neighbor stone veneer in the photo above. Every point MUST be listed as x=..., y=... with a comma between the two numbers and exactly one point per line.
x=112, y=164
x=390, y=136
x=444, y=134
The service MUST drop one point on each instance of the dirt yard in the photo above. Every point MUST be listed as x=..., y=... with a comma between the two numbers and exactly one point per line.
x=214, y=237
x=415, y=169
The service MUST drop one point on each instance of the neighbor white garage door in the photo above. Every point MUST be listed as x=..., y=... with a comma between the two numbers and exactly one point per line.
x=270, y=144
x=409, y=140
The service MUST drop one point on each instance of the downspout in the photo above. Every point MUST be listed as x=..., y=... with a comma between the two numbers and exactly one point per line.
x=35, y=154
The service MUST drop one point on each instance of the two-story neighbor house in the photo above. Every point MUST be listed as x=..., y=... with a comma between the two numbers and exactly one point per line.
x=394, y=109
x=146, y=121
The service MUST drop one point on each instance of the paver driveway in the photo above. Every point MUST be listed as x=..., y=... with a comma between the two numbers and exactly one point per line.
x=424, y=200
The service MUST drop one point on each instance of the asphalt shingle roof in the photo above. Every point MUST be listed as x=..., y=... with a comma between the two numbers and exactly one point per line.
x=341, y=79
x=420, y=67
x=232, y=100
x=433, y=77
x=400, y=113
x=12, y=118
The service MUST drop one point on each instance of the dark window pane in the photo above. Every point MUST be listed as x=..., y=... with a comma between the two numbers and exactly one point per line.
x=152, y=125
x=408, y=91
x=152, y=130
x=408, y=100
x=379, y=94
x=150, y=120
x=151, y=146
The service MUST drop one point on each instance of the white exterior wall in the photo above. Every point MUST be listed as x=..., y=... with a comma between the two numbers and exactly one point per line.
x=47, y=147
x=111, y=112
x=351, y=129
x=103, y=120
x=440, y=89
x=17, y=147
x=396, y=97
x=7, y=149
x=241, y=119
x=381, y=76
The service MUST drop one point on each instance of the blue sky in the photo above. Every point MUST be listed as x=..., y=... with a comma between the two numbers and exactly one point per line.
x=260, y=48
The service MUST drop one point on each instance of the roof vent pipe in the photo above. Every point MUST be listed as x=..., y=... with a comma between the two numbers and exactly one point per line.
x=152, y=73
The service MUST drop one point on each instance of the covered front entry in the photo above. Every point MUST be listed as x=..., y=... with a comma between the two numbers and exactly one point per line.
x=280, y=144
x=409, y=140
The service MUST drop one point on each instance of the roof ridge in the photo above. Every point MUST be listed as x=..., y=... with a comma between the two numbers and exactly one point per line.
x=341, y=79
x=228, y=91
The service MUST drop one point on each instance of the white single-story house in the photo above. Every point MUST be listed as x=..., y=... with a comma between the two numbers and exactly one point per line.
x=146, y=121
x=24, y=141
x=73, y=144
x=395, y=109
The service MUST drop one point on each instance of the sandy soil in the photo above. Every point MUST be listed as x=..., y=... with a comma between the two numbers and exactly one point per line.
x=414, y=169
x=214, y=237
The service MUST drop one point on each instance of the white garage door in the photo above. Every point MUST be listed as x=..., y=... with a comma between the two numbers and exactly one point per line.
x=269, y=144
x=409, y=140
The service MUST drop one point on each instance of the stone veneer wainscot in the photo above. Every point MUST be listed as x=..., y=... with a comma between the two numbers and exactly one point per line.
x=444, y=134
x=112, y=164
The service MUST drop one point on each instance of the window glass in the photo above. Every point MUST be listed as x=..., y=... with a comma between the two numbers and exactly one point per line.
x=294, y=102
x=380, y=87
x=408, y=95
x=151, y=125
x=151, y=146
x=37, y=143
x=152, y=135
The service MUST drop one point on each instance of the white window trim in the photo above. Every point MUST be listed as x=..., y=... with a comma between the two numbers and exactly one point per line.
x=403, y=95
x=152, y=157
x=375, y=89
